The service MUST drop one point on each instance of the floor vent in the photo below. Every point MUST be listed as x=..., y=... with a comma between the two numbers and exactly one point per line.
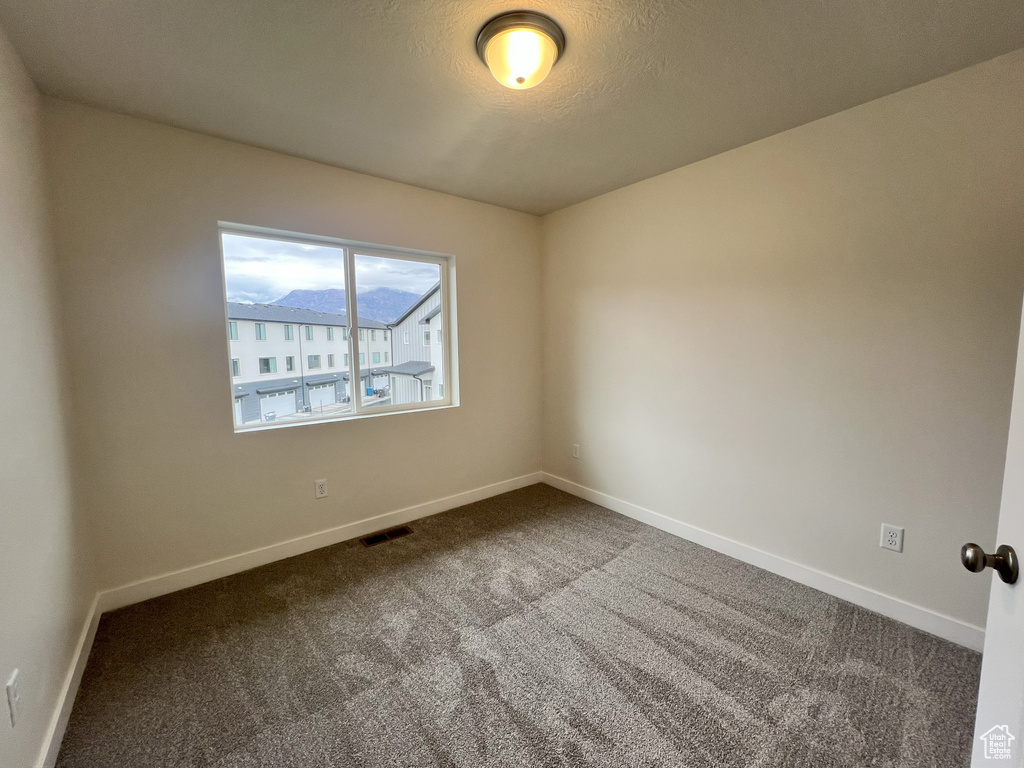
x=388, y=535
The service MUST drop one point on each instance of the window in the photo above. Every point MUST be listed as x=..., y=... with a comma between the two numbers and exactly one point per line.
x=426, y=338
x=261, y=266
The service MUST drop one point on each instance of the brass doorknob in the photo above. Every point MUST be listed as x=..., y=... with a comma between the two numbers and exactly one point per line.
x=1004, y=561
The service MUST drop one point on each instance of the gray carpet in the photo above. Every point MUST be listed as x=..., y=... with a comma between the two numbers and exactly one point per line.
x=532, y=629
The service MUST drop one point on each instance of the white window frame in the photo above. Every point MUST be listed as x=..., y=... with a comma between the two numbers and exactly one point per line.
x=319, y=362
x=289, y=363
x=330, y=361
x=289, y=332
x=271, y=365
x=236, y=367
x=232, y=330
x=310, y=335
x=351, y=249
x=330, y=333
x=260, y=331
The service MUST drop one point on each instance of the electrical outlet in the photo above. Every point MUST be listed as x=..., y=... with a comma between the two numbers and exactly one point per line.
x=320, y=488
x=13, y=697
x=575, y=450
x=892, y=538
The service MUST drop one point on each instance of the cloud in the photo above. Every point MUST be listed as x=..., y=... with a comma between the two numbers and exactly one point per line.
x=262, y=270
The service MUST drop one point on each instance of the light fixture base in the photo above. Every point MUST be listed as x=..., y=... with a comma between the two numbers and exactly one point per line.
x=521, y=19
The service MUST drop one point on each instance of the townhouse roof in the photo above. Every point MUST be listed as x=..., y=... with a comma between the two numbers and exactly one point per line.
x=411, y=368
x=418, y=303
x=431, y=314
x=274, y=313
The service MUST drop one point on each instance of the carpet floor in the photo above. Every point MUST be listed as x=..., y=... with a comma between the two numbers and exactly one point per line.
x=530, y=629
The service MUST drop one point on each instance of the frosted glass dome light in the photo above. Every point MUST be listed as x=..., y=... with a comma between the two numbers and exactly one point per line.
x=520, y=48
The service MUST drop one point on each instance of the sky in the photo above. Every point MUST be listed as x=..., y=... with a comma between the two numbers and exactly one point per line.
x=260, y=271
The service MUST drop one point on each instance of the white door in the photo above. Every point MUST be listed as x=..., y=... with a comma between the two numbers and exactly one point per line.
x=321, y=395
x=280, y=404
x=238, y=410
x=999, y=727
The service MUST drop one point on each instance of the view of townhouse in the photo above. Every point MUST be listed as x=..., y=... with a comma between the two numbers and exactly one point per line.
x=294, y=355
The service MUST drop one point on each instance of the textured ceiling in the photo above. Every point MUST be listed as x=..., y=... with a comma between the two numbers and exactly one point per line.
x=393, y=88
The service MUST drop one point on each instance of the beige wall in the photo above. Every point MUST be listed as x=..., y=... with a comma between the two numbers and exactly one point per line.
x=45, y=586
x=793, y=342
x=166, y=481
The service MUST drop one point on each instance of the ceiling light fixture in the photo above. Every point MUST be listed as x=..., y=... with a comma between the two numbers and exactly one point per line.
x=520, y=48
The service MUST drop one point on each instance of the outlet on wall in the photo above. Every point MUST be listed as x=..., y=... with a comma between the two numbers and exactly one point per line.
x=575, y=450
x=13, y=697
x=320, y=488
x=892, y=538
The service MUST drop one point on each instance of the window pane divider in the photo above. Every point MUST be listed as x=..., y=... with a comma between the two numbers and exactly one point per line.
x=351, y=309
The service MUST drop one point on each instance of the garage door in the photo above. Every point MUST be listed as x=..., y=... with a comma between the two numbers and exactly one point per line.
x=322, y=394
x=279, y=403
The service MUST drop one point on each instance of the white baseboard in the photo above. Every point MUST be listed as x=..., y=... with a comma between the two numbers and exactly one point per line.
x=59, y=722
x=934, y=623
x=144, y=589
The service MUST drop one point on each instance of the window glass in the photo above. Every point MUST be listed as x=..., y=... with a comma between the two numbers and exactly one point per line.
x=416, y=366
x=276, y=282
